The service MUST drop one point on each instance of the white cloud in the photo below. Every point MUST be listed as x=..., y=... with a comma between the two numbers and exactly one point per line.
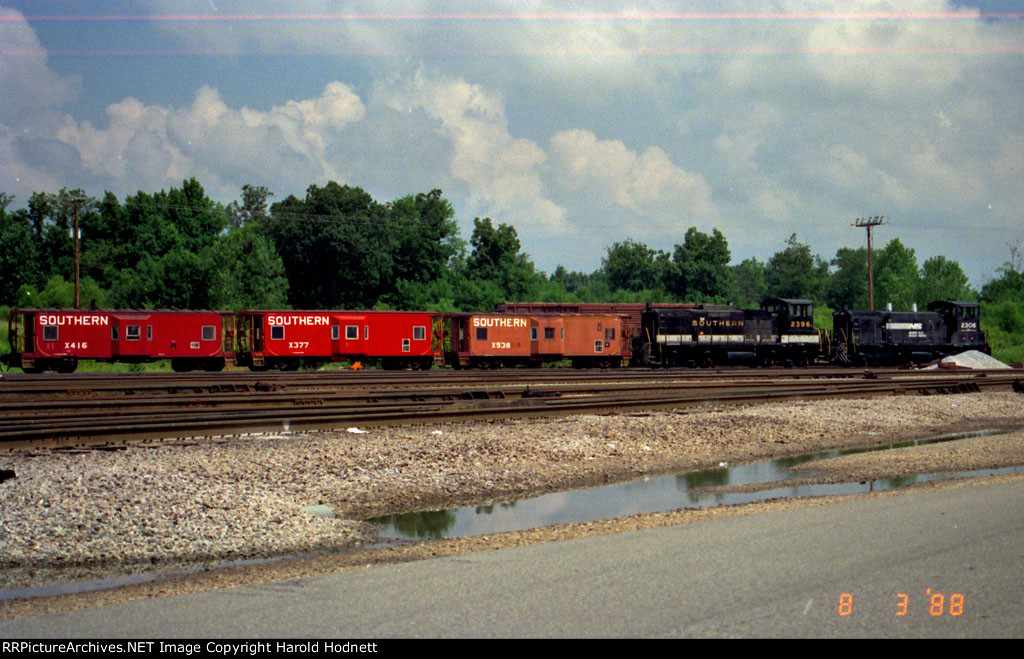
x=27, y=85
x=145, y=146
x=503, y=174
x=579, y=132
x=647, y=185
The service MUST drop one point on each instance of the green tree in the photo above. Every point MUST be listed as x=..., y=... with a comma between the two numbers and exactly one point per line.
x=198, y=219
x=848, y=286
x=60, y=294
x=943, y=279
x=52, y=220
x=428, y=237
x=1009, y=287
x=897, y=279
x=253, y=206
x=794, y=273
x=702, y=266
x=18, y=259
x=337, y=247
x=748, y=284
x=108, y=241
x=631, y=266
x=246, y=271
x=496, y=259
x=1002, y=301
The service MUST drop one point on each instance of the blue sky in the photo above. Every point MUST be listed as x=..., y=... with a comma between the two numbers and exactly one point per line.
x=580, y=124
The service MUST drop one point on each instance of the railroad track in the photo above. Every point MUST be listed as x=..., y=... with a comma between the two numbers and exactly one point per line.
x=108, y=417
x=18, y=385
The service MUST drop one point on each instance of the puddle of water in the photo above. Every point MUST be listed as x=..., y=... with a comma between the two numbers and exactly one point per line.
x=642, y=496
x=651, y=495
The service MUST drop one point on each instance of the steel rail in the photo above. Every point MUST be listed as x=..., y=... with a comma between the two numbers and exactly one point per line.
x=153, y=402
x=20, y=386
x=105, y=429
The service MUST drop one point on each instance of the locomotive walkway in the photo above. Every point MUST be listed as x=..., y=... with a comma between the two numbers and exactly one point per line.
x=102, y=411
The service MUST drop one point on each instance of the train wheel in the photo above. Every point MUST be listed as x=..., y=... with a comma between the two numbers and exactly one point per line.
x=67, y=365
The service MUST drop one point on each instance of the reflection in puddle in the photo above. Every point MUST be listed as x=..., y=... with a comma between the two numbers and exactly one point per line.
x=641, y=496
x=656, y=494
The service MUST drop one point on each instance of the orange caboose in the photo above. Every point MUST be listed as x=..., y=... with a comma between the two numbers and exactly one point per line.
x=484, y=340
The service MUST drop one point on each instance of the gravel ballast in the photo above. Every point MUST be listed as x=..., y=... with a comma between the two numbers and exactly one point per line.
x=102, y=513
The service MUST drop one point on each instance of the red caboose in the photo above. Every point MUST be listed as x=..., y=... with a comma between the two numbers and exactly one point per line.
x=492, y=340
x=281, y=339
x=55, y=339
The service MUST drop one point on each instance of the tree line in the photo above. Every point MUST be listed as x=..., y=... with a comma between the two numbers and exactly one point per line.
x=338, y=247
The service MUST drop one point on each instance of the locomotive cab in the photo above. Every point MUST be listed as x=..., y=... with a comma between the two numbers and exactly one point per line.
x=797, y=340
x=963, y=326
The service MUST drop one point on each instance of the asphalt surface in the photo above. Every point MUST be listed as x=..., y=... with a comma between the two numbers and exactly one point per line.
x=843, y=570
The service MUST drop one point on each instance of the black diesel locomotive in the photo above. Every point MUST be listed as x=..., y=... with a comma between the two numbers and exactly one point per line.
x=780, y=332
x=869, y=338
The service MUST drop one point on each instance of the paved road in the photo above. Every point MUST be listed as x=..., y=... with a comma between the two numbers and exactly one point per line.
x=777, y=574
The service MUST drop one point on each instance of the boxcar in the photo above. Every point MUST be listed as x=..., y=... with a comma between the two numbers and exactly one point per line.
x=55, y=339
x=283, y=339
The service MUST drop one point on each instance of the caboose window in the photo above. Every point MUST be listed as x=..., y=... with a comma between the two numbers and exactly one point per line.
x=133, y=332
x=549, y=332
x=533, y=333
x=405, y=345
x=335, y=332
x=481, y=334
x=49, y=333
x=352, y=332
x=598, y=345
x=149, y=332
x=277, y=332
x=209, y=332
x=419, y=333
x=366, y=332
x=113, y=332
x=609, y=334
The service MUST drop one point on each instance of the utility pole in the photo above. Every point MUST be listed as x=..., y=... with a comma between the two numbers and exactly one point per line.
x=867, y=223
